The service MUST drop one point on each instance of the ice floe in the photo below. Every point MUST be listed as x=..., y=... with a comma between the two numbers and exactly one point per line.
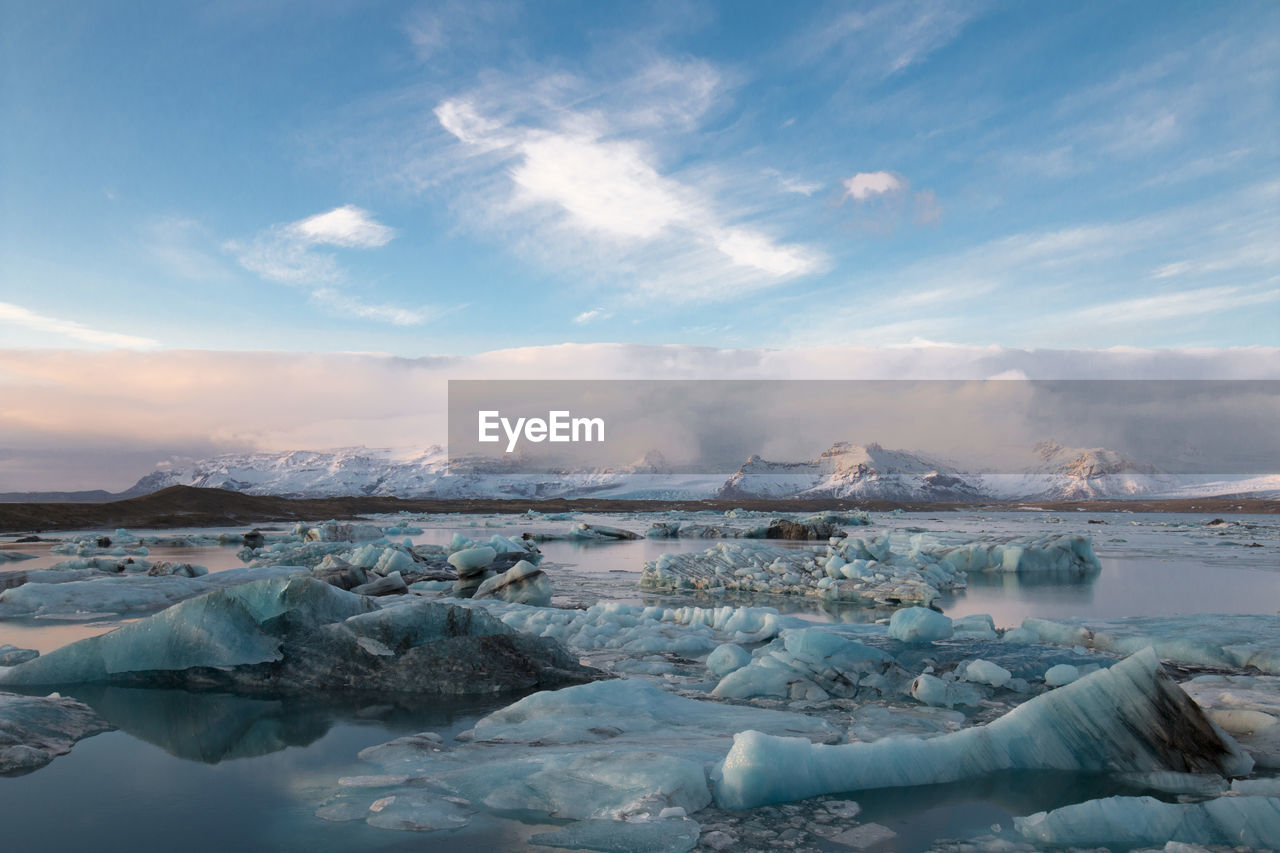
x=1252, y=822
x=865, y=569
x=34, y=730
x=1213, y=640
x=624, y=751
x=53, y=595
x=1131, y=717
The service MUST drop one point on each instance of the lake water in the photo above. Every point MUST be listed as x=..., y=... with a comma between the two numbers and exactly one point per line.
x=212, y=772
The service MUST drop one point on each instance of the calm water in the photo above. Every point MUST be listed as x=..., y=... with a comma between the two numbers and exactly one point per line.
x=212, y=772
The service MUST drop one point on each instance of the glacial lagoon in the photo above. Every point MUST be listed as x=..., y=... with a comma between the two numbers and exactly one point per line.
x=222, y=770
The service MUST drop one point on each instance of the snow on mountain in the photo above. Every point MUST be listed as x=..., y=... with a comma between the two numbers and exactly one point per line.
x=1079, y=474
x=854, y=471
x=847, y=471
x=417, y=474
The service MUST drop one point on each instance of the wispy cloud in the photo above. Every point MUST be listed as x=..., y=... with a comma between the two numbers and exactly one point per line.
x=24, y=318
x=293, y=253
x=591, y=316
x=879, y=41
x=1179, y=304
x=575, y=173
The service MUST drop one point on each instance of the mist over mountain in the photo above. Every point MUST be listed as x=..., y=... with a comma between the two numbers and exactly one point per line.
x=845, y=470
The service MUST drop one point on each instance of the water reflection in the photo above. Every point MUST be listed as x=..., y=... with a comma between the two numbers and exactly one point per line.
x=214, y=727
x=920, y=815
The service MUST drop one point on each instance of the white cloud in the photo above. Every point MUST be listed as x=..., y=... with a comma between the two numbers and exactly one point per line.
x=573, y=173
x=24, y=318
x=348, y=227
x=603, y=186
x=591, y=316
x=288, y=254
x=867, y=185
x=399, y=402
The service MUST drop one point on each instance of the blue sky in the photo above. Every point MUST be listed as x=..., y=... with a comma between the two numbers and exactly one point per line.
x=454, y=178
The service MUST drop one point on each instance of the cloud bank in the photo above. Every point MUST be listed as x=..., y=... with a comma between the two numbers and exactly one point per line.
x=126, y=406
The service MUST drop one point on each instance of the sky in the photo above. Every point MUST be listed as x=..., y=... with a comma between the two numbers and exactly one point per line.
x=488, y=183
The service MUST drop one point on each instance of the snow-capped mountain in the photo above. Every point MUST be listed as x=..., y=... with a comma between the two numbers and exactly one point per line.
x=848, y=470
x=417, y=474
x=1080, y=474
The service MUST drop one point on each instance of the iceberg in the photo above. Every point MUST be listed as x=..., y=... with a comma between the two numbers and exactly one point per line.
x=1131, y=717
x=618, y=751
x=812, y=664
x=1215, y=640
x=523, y=583
x=919, y=625
x=1055, y=552
x=127, y=593
x=34, y=730
x=851, y=569
x=1246, y=706
x=297, y=634
x=639, y=630
x=1252, y=822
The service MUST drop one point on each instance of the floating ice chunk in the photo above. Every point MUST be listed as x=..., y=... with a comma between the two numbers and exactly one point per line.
x=812, y=664
x=34, y=730
x=15, y=556
x=919, y=625
x=607, y=750
x=417, y=811
x=129, y=593
x=316, y=637
x=1021, y=636
x=931, y=690
x=636, y=629
x=630, y=709
x=1247, y=706
x=1060, y=674
x=872, y=722
x=1055, y=552
x=1226, y=641
x=12, y=655
x=985, y=672
x=334, y=531
x=849, y=570
x=523, y=583
x=1269, y=787
x=726, y=658
x=1117, y=720
x=979, y=626
x=624, y=836
x=864, y=835
x=472, y=558
x=1138, y=821
x=600, y=532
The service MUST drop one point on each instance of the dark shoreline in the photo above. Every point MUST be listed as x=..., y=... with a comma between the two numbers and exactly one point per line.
x=185, y=506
